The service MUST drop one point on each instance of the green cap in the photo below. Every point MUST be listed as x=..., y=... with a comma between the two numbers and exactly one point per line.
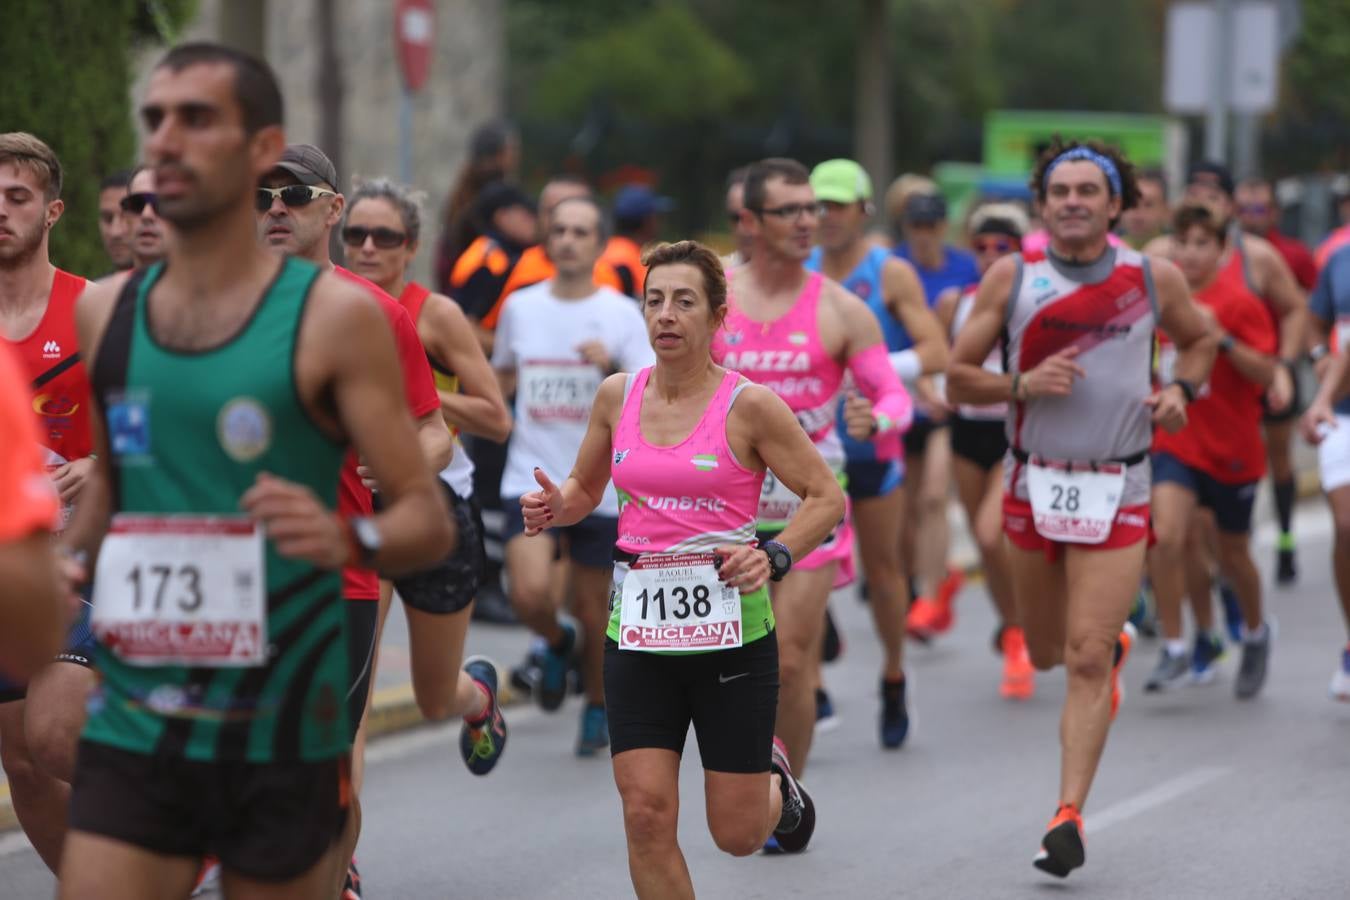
x=841, y=181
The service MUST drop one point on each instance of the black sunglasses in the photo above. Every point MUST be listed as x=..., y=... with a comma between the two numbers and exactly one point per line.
x=384, y=238
x=291, y=195
x=136, y=203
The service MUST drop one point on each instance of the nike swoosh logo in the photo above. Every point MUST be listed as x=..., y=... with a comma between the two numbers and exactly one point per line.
x=723, y=679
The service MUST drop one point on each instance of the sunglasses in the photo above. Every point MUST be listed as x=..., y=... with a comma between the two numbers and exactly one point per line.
x=136, y=203
x=292, y=195
x=384, y=238
x=793, y=211
x=993, y=245
x=1254, y=209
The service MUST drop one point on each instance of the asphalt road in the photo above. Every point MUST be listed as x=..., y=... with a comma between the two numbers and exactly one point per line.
x=1199, y=795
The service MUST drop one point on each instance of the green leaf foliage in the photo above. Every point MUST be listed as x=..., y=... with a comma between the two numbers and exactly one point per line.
x=67, y=80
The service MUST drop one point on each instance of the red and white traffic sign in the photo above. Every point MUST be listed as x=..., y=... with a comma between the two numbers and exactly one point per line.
x=414, y=34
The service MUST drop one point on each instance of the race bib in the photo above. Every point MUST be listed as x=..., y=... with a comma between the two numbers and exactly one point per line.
x=1074, y=502
x=777, y=504
x=676, y=602
x=182, y=590
x=558, y=390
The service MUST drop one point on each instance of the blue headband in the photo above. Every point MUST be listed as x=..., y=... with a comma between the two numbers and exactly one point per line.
x=1087, y=153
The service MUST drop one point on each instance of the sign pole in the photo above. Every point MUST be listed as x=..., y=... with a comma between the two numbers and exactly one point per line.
x=405, y=137
x=1216, y=120
x=414, y=35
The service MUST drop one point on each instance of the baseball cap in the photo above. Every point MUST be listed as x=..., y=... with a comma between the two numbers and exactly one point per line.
x=1211, y=173
x=637, y=201
x=841, y=181
x=309, y=164
x=924, y=209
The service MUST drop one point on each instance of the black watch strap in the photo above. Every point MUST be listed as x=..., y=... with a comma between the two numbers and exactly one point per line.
x=1186, y=388
x=780, y=559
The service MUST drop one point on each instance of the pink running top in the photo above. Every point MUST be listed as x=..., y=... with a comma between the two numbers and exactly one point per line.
x=689, y=497
x=786, y=356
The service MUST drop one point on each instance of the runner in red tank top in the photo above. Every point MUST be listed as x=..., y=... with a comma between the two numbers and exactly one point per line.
x=298, y=207
x=1214, y=462
x=37, y=319
x=1253, y=262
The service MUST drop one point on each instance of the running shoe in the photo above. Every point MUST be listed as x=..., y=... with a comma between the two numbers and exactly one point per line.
x=351, y=888
x=551, y=689
x=797, y=822
x=1019, y=676
x=1062, y=848
x=1209, y=649
x=834, y=642
x=594, y=733
x=949, y=588
x=208, y=877
x=1142, y=616
x=1340, y=680
x=894, y=714
x=1286, y=568
x=1171, y=668
x=929, y=618
x=1123, y=644
x=482, y=741
x=826, y=719
x=1254, y=663
x=526, y=675
x=1232, y=612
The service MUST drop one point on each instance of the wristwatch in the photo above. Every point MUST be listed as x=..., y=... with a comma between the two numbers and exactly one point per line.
x=780, y=559
x=1227, y=343
x=366, y=537
x=1187, y=389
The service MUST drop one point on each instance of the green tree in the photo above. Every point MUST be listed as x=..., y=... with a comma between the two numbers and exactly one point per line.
x=1312, y=129
x=67, y=80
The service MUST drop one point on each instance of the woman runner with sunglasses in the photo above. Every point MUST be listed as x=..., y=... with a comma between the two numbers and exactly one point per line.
x=691, y=632
x=380, y=233
x=978, y=446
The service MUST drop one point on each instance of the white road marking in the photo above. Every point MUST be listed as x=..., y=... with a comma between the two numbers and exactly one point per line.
x=1154, y=797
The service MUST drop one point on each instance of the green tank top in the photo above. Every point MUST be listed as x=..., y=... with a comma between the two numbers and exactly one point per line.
x=189, y=432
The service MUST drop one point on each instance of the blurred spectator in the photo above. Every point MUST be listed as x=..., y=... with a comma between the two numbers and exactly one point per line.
x=1148, y=218
x=506, y=217
x=1258, y=213
x=494, y=155
x=1340, y=236
x=637, y=222
x=111, y=226
x=923, y=222
x=736, y=203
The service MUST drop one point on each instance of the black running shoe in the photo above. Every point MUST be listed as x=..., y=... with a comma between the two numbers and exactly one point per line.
x=797, y=822
x=1062, y=848
x=894, y=714
x=834, y=644
x=1286, y=569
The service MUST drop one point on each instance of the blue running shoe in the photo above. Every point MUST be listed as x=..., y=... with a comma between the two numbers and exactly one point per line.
x=771, y=847
x=551, y=688
x=1232, y=613
x=894, y=714
x=826, y=720
x=1208, y=650
x=594, y=735
x=481, y=743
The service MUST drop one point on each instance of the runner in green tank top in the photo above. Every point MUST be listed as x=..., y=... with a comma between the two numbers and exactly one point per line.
x=228, y=384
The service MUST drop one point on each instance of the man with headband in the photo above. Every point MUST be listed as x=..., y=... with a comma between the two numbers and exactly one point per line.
x=1077, y=322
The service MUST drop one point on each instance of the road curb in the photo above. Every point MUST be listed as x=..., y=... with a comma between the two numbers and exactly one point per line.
x=394, y=709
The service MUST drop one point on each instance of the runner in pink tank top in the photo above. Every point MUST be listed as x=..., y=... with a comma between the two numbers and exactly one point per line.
x=691, y=637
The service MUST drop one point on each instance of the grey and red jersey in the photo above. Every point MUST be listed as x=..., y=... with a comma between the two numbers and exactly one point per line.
x=1108, y=309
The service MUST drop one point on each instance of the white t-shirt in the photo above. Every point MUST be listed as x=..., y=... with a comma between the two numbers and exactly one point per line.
x=537, y=337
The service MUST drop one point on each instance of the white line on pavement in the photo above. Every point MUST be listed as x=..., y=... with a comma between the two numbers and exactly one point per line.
x=1154, y=797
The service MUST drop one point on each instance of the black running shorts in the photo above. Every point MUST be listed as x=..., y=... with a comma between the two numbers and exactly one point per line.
x=266, y=821
x=450, y=585
x=363, y=622
x=980, y=441
x=730, y=697
x=916, y=438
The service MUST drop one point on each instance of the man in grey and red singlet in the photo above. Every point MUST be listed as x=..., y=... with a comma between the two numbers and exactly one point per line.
x=1077, y=324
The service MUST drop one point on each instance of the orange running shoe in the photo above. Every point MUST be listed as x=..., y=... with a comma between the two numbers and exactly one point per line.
x=950, y=587
x=919, y=619
x=1019, y=677
x=1123, y=644
x=1062, y=848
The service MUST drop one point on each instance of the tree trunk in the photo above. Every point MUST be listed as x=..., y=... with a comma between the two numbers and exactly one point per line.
x=873, y=118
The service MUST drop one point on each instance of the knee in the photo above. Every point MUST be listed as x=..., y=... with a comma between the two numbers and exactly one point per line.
x=530, y=597
x=792, y=666
x=1089, y=658
x=649, y=819
x=739, y=838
